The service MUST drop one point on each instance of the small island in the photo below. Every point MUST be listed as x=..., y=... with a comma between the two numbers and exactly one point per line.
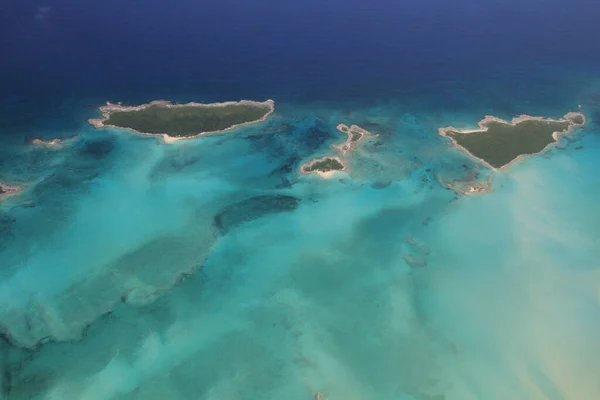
x=182, y=121
x=46, y=143
x=6, y=190
x=355, y=134
x=54, y=143
x=327, y=166
x=471, y=186
x=498, y=143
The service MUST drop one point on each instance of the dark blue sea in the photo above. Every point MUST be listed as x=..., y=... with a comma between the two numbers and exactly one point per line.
x=212, y=269
x=294, y=51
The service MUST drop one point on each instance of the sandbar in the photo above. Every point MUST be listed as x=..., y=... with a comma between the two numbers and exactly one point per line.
x=174, y=122
x=471, y=187
x=499, y=144
x=6, y=190
x=46, y=143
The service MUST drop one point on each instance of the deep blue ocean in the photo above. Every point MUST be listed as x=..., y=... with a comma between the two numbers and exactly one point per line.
x=212, y=269
x=295, y=51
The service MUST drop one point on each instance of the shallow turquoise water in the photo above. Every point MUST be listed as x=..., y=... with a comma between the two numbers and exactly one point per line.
x=211, y=269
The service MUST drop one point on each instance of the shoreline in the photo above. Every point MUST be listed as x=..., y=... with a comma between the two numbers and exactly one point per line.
x=110, y=108
x=483, y=127
x=326, y=174
x=7, y=190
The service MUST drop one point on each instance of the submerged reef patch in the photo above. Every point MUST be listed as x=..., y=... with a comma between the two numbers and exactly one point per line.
x=253, y=208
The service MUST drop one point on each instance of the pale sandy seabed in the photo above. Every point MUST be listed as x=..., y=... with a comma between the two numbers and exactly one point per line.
x=136, y=270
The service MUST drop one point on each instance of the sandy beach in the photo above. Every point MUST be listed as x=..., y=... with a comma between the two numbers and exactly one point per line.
x=110, y=108
x=328, y=174
x=484, y=126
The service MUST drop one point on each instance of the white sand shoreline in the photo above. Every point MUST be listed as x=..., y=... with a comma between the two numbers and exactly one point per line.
x=110, y=108
x=483, y=127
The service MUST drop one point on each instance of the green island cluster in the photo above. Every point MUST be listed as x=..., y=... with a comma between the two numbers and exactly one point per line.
x=183, y=121
x=324, y=165
x=502, y=143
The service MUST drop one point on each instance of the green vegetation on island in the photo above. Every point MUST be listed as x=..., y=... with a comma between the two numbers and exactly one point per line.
x=498, y=143
x=356, y=136
x=578, y=119
x=183, y=120
x=326, y=164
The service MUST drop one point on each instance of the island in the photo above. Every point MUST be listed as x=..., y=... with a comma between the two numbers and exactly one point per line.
x=355, y=134
x=6, y=190
x=182, y=121
x=54, y=143
x=46, y=143
x=498, y=143
x=327, y=166
x=472, y=186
